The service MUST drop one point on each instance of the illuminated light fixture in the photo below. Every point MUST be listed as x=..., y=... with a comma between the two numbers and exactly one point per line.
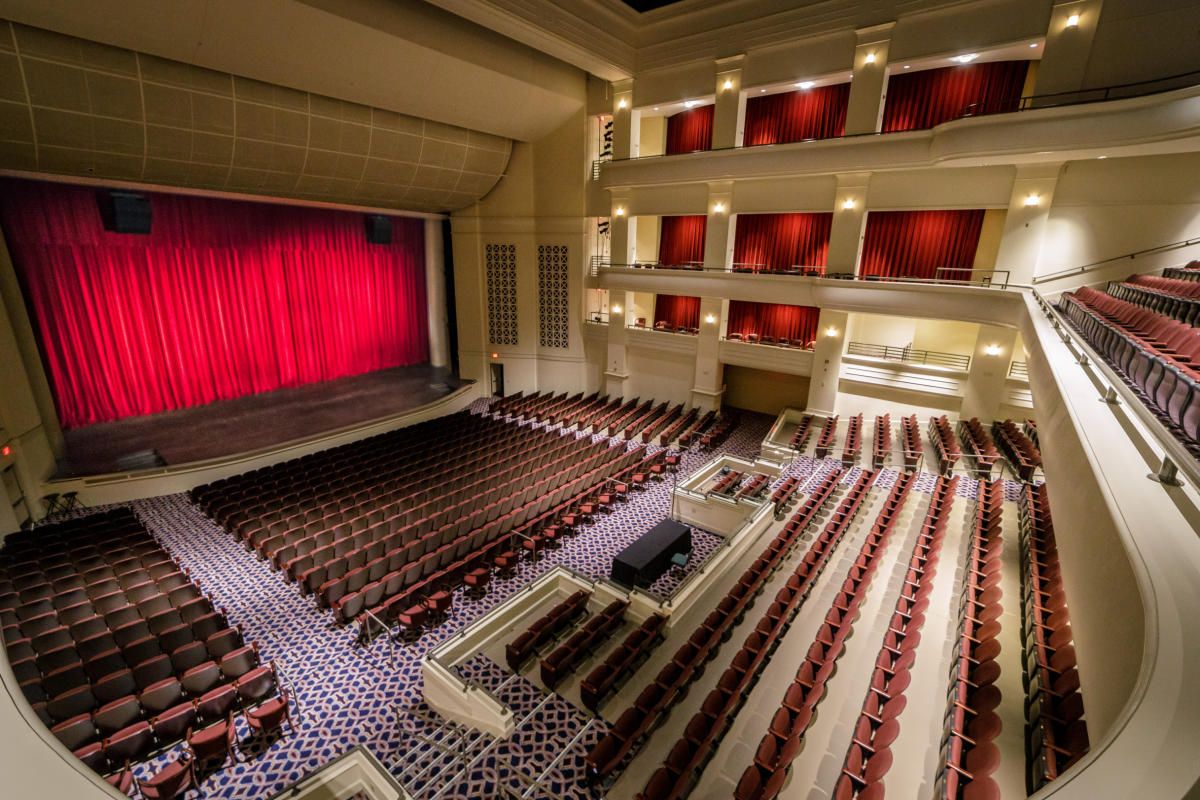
x=710, y=318
x=1033, y=200
x=718, y=208
x=848, y=203
x=728, y=84
x=656, y=108
x=1033, y=44
x=1073, y=21
x=620, y=212
x=616, y=309
x=831, y=331
x=691, y=103
x=495, y=355
x=806, y=84
x=1101, y=157
x=6, y=451
x=762, y=91
x=908, y=66
x=965, y=58
x=621, y=103
x=869, y=58
x=993, y=350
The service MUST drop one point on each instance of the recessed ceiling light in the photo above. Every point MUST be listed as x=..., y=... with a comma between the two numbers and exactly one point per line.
x=762, y=91
x=656, y=108
x=806, y=84
x=691, y=103
x=1101, y=157
x=965, y=58
x=908, y=66
x=1035, y=44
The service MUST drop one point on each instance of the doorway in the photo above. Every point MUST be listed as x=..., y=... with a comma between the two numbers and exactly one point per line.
x=497, y=380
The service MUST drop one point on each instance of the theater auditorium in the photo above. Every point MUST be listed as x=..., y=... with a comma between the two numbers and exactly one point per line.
x=583, y=399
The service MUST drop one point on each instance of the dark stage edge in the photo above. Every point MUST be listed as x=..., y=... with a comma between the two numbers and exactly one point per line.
x=230, y=427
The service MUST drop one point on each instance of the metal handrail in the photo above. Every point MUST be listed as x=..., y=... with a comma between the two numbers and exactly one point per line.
x=1162, y=248
x=387, y=635
x=909, y=355
x=988, y=278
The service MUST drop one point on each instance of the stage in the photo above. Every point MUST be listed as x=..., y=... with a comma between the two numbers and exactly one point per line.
x=251, y=423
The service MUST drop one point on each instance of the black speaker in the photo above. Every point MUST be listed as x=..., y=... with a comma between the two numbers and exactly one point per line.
x=124, y=212
x=379, y=229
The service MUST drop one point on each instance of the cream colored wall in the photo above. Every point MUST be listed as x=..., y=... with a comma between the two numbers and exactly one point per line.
x=989, y=238
x=653, y=138
x=958, y=187
x=1140, y=40
x=945, y=336
x=1107, y=208
x=661, y=375
x=643, y=306
x=646, y=238
x=764, y=391
x=879, y=329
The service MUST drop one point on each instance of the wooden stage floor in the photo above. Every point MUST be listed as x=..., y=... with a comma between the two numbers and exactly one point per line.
x=250, y=423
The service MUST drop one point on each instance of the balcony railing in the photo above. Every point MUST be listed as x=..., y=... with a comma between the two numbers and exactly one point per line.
x=1100, y=94
x=954, y=276
x=909, y=355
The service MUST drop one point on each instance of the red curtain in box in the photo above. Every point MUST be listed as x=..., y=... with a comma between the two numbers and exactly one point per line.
x=677, y=311
x=930, y=97
x=681, y=239
x=222, y=299
x=781, y=241
x=689, y=131
x=773, y=319
x=795, y=116
x=914, y=244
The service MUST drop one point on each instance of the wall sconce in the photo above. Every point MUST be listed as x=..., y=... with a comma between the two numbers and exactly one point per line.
x=495, y=355
x=869, y=59
x=728, y=84
x=710, y=318
x=622, y=103
x=831, y=331
x=1073, y=21
x=616, y=309
x=718, y=208
x=1033, y=200
x=993, y=350
x=848, y=204
x=620, y=211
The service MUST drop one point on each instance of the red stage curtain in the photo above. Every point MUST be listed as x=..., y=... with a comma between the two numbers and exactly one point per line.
x=780, y=241
x=677, y=311
x=795, y=116
x=681, y=240
x=930, y=97
x=689, y=131
x=222, y=299
x=773, y=319
x=915, y=243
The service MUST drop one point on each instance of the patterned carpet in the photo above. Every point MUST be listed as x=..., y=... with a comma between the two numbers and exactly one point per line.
x=349, y=696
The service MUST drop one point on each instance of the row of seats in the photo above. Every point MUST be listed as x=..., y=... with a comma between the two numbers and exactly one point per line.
x=726, y=482
x=828, y=434
x=804, y=430
x=968, y=756
x=881, y=445
x=1189, y=272
x=689, y=660
x=852, y=446
x=646, y=429
x=785, y=736
x=754, y=488
x=623, y=662
x=1055, y=728
x=670, y=432
x=869, y=756
x=1172, y=297
x=979, y=448
x=117, y=650
x=583, y=643
x=697, y=429
x=911, y=432
x=941, y=435
x=722, y=427
x=1018, y=449
x=1157, y=357
x=784, y=492
x=780, y=341
x=545, y=629
x=685, y=762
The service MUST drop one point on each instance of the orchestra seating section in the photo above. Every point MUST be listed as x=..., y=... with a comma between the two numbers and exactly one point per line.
x=1056, y=732
x=125, y=657
x=120, y=653
x=1144, y=341
x=968, y=755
